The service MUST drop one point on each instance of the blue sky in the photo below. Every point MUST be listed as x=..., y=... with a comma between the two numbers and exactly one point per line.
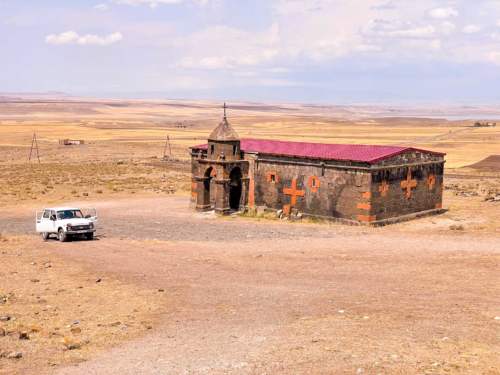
x=324, y=51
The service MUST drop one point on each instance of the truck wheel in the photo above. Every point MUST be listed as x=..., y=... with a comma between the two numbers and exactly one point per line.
x=61, y=236
x=45, y=236
x=89, y=236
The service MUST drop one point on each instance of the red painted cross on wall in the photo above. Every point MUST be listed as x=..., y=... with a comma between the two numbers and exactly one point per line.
x=408, y=184
x=293, y=192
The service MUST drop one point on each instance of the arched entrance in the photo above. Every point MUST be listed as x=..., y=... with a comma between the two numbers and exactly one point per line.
x=235, y=188
x=206, y=186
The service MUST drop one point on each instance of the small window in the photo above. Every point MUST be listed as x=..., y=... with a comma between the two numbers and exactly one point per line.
x=234, y=150
x=46, y=214
x=314, y=183
x=212, y=149
x=272, y=177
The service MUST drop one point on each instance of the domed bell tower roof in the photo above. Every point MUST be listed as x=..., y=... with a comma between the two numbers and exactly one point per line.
x=224, y=131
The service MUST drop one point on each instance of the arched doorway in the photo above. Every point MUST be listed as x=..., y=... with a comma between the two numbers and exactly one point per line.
x=235, y=188
x=206, y=186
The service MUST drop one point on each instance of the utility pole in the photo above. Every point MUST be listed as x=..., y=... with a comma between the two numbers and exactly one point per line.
x=34, y=147
x=167, y=147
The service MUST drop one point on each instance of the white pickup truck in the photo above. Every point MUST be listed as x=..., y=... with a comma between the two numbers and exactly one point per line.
x=66, y=222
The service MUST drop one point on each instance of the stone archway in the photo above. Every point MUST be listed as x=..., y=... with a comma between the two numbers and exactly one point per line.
x=235, y=188
x=207, y=182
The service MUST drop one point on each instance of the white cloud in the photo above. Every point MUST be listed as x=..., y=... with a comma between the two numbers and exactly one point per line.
x=397, y=29
x=320, y=31
x=435, y=44
x=222, y=47
x=417, y=32
x=102, y=7
x=154, y=3
x=447, y=27
x=471, y=29
x=498, y=23
x=368, y=48
x=443, y=13
x=72, y=37
x=494, y=57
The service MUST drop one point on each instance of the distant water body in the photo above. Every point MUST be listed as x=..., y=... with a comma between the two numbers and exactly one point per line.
x=461, y=117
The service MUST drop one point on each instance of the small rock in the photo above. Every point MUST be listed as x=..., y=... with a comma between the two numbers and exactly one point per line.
x=115, y=324
x=76, y=330
x=35, y=280
x=341, y=311
x=14, y=355
x=70, y=344
x=73, y=346
x=161, y=290
x=497, y=317
x=24, y=335
x=98, y=280
x=5, y=318
x=2, y=332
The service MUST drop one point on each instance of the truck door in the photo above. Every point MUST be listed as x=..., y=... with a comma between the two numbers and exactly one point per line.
x=43, y=221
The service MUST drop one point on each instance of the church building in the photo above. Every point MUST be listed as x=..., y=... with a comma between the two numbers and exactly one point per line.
x=359, y=184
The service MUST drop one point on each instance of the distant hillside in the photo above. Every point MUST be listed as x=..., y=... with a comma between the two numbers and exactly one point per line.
x=491, y=163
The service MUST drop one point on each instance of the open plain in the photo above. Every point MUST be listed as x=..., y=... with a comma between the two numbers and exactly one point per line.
x=166, y=290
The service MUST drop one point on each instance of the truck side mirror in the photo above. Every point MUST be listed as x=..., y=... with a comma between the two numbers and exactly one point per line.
x=53, y=217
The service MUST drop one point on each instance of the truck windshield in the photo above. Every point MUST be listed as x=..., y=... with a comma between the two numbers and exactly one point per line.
x=69, y=214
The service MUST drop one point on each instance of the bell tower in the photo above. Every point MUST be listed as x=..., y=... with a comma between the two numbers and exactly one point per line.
x=224, y=142
x=221, y=175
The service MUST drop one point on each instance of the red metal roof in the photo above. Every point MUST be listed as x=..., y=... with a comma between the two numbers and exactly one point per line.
x=348, y=152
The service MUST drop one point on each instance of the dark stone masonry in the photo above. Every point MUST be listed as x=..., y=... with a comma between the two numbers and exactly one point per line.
x=359, y=184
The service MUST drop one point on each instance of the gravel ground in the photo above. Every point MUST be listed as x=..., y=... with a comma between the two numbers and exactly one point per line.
x=264, y=297
x=171, y=219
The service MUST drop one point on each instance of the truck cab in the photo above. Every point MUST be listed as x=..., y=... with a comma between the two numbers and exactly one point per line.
x=66, y=222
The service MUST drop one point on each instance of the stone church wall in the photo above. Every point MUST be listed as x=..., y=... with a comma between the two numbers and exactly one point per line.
x=356, y=192
x=319, y=191
x=391, y=197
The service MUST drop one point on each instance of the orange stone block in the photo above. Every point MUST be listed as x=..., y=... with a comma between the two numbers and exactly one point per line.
x=367, y=195
x=251, y=193
x=365, y=206
x=366, y=218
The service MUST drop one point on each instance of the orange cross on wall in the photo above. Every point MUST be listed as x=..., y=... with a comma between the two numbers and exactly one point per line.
x=293, y=192
x=431, y=181
x=383, y=188
x=408, y=184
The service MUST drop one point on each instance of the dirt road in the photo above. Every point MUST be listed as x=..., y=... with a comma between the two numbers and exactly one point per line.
x=263, y=297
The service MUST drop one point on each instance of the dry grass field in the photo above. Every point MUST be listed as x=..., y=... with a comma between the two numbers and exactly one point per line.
x=51, y=292
x=124, y=143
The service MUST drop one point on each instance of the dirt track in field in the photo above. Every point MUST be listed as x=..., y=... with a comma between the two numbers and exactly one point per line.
x=254, y=297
